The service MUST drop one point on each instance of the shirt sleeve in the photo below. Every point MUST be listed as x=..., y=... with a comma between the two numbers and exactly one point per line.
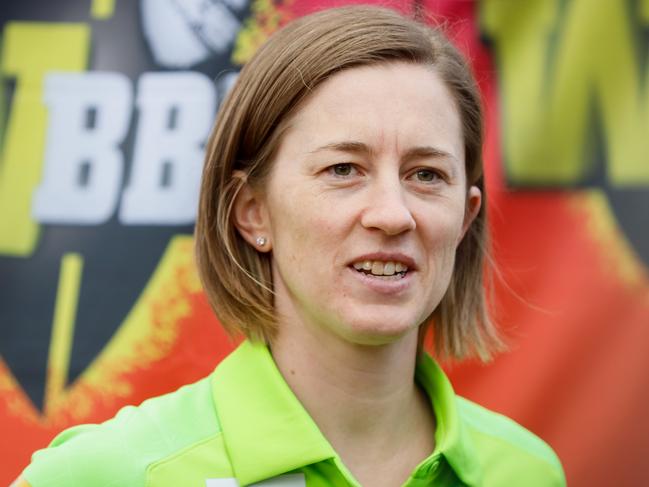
x=97, y=455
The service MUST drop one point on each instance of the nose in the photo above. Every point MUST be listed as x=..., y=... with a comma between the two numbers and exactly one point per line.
x=387, y=209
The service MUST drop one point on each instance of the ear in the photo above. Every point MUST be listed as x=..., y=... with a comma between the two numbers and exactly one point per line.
x=250, y=216
x=473, y=204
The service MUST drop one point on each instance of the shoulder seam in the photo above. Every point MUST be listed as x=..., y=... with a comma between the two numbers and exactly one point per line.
x=176, y=454
x=539, y=449
x=554, y=466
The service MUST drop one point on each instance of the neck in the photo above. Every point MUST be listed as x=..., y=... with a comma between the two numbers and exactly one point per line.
x=363, y=398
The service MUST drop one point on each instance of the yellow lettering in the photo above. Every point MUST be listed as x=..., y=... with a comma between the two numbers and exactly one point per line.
x=555, y=69
x=102, y=9
x=30, y=50
x=643, y=10
x=65, y=312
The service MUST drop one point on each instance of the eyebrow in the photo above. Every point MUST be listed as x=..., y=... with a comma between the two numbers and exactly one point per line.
x=346, y=146
x=361, y=148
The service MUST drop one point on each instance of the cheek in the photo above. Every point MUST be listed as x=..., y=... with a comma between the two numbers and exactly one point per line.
x=443, y=228
x=442, y=236
x=301, y=232
x=307, y=215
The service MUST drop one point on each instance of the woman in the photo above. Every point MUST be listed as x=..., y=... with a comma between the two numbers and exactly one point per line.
x=341, y=213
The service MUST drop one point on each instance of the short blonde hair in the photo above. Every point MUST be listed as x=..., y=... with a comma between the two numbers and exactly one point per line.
x=250, y=124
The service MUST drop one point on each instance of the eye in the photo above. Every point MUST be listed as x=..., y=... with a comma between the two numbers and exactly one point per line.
x=342, y=170
x=426, y=175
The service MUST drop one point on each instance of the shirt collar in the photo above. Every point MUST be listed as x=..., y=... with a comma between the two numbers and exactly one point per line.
x=452, y=440
x=267, y=431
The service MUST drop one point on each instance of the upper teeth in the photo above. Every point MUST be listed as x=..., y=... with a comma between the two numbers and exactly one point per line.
x=380, y=268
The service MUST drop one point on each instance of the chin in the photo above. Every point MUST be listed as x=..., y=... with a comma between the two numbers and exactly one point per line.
x=381, y=331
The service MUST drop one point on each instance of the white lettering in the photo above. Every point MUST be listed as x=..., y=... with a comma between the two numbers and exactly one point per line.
x=176, y=111
x=82, y=173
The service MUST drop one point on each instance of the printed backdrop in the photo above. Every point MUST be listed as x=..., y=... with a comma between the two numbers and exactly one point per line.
x=104, y=109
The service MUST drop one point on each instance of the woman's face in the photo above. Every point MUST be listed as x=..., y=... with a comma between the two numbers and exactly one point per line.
x=366, y=203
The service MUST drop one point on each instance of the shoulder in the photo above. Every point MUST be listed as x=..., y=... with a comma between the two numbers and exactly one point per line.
x=508, y=450
x=119, y=451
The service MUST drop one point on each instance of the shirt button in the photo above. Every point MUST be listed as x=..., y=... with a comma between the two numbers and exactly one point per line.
x=434, y=467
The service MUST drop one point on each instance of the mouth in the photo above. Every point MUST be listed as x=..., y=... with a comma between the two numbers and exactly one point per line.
x=389, y=274
x=389, y=270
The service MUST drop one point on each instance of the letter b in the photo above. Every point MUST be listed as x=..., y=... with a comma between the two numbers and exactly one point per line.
x=176, y=112
x=88, y=118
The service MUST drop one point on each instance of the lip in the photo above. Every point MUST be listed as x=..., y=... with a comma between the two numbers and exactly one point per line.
x=388, y=257
x=384, y=286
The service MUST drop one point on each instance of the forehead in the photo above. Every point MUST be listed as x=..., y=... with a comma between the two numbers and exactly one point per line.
x=394, y=105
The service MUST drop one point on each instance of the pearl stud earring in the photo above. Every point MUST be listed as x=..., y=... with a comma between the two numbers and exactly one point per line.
x=261, y=241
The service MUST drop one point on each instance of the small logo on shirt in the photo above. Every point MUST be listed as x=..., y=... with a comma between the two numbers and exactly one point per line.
x=289, y=480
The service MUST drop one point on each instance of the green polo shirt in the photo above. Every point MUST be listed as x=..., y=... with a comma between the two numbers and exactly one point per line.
x=242, y=425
